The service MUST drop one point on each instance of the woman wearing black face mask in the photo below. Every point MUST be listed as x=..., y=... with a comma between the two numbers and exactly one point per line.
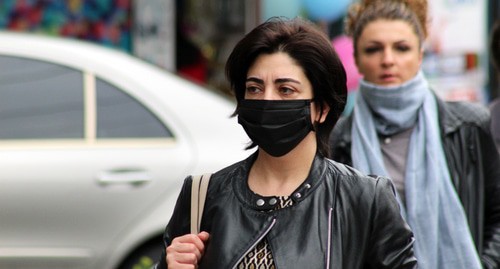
x=288, y=205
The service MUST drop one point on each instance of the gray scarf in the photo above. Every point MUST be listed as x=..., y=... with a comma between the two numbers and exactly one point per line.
x=433, y=209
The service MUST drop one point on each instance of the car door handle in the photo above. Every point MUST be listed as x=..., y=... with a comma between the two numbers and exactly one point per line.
x=124, y=176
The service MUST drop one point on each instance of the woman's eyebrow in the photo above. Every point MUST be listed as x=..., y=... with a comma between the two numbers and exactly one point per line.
x=282, y=80
x=278, y=80
x=256, y=80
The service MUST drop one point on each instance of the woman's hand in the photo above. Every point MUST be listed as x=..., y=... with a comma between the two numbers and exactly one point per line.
x=185, y=251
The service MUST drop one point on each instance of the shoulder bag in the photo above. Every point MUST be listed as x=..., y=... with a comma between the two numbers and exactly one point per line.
x=198, y=195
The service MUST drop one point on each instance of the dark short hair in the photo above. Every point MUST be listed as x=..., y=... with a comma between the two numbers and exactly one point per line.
x=311, y=49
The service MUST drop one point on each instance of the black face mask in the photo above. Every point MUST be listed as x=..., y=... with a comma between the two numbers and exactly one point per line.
x=276, y=126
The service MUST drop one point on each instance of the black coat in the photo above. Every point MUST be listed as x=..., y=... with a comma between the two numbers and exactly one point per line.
x=339, y=217
x=473, y=163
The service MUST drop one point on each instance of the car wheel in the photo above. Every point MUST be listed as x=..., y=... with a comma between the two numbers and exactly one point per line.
x=144, y=257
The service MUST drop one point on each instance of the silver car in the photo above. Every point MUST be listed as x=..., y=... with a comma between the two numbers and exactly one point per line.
x=94, y=146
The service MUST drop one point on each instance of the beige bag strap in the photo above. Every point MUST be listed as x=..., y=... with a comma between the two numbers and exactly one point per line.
x=198, y=194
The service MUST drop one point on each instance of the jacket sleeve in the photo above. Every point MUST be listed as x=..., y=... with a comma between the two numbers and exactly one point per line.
x=179, y=223
x=391, y=237
x=490, y=255
x=474, y=163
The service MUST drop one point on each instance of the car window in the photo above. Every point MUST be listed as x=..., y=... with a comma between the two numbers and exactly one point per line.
x=121, y=116
x=42, y=100
x=39, y=100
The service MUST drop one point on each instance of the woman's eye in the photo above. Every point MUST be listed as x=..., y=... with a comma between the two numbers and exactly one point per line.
x=403, y=48
x=371, y=50
x=286, y=90
x=252, y=89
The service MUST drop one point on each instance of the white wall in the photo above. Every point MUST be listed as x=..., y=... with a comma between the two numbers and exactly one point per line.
x=154, y=32
x=456, y=60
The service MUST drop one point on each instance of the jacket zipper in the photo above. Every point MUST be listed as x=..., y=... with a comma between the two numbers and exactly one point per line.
x=255, y=243
x=329, y=244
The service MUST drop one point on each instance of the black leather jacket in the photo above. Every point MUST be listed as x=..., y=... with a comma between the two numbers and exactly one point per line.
x=473, y=163
x=339, y=219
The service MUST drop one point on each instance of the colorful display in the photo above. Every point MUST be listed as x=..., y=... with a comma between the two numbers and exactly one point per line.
x=107, y=22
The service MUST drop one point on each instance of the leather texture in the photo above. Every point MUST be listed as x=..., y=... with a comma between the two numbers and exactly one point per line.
x=339, y=219
x=473, y=163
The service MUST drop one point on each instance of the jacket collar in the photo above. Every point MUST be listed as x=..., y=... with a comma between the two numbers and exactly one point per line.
x=448, y=120
x=257, y=202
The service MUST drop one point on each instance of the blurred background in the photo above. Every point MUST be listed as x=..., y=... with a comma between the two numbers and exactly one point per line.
x=94, y=144
x=193, y=37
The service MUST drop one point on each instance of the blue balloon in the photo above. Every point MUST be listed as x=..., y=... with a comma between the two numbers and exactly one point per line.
x=328, y=10
x=286, y=8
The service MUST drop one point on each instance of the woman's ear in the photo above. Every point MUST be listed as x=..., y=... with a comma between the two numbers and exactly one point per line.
x=322, y=112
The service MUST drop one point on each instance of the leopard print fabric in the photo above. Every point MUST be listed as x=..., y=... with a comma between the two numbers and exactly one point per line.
x=261, y=257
